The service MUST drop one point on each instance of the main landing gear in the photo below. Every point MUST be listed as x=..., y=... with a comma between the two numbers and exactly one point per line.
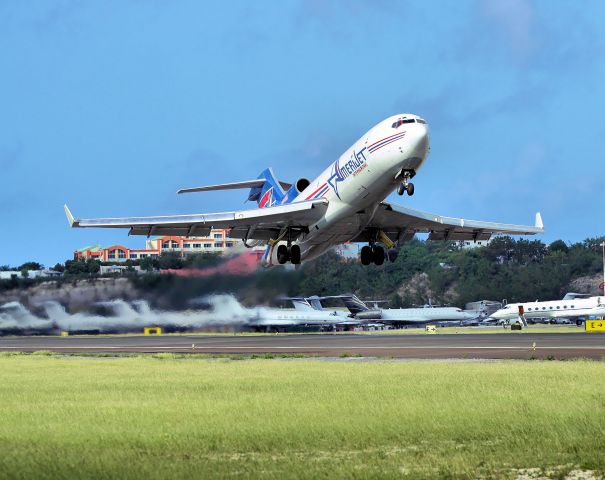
x=372, y=254
x=406, y=185
x=288, y=253
x=291, y=254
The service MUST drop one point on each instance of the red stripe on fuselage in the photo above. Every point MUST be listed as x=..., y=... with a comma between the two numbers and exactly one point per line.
x=315, y=191
x=399, y=133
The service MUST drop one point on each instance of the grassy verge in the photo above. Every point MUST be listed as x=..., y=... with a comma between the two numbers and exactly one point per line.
x=172, y=417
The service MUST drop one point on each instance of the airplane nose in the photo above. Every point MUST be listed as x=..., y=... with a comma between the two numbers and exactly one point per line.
x=422, y=140
x=419, y=146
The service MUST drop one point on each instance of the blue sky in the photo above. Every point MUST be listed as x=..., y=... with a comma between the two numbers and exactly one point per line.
x=112, y=106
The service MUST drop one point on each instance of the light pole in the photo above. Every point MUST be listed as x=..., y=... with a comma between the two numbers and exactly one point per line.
x=603, y=284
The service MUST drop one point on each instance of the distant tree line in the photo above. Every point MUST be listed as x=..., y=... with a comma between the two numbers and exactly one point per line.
x=517, y=270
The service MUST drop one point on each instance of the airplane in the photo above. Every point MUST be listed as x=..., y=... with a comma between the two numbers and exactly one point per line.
x=572, y=305
x=312, y=305
x=359, y=310
x=346, y=203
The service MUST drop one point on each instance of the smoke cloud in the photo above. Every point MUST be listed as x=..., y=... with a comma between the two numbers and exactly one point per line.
x=121, y=316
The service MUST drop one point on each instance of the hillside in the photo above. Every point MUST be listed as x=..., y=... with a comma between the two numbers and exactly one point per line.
x=517, y=270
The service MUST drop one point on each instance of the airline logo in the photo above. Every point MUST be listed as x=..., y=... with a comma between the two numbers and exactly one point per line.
x=356, y=164
x=267, y=199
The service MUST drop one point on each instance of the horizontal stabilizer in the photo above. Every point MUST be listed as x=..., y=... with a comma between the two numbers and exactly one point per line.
x=259, y=182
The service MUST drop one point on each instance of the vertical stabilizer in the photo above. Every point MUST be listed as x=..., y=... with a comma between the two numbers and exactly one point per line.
x=270, y=193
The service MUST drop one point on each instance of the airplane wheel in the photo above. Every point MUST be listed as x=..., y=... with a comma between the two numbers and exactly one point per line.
x=295, y=254
x=366, y=255
x=410, y=189
x=378, y=255
x=401, y=189
x=282, y=254
x=392, y=254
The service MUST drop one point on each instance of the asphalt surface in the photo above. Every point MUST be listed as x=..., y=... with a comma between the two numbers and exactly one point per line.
x=506, y=345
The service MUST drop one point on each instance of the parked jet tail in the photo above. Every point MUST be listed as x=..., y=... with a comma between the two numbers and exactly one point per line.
x=353, y=303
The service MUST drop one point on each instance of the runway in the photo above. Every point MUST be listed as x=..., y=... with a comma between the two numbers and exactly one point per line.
x=483, y=346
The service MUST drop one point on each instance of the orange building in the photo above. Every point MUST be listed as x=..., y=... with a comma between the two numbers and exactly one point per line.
x=215, y=242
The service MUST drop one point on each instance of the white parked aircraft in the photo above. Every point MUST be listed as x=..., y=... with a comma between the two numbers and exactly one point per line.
x=345, y=203
x=360, y=311
x=570, y=306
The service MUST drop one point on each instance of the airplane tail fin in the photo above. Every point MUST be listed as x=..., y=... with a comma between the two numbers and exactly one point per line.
x=299, y=303
x=315, y=302
x=270, y=192
x=266, y=190
x=353, y=303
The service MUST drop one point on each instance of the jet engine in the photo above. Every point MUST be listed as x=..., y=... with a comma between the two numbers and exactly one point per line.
x=298, y=187
x=369, y=315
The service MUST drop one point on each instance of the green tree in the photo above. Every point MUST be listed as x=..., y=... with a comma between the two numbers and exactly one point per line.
x=558, y=246
x=147, y=264
x=93, y=266
x=31, y=266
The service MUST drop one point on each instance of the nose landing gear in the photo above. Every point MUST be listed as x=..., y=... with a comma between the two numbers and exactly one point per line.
x=406, y=185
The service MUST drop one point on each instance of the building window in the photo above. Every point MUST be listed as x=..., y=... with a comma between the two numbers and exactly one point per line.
x=154, y=255
x=121, y=254
x=218, y=235
x=218, y=245
x=166, y=245
x=175, y=245
x=112, y=255
x=229, y=244
x=207, y=245
x=133, y=256
x=143, y=255
x=186, y=245
x=197, y=245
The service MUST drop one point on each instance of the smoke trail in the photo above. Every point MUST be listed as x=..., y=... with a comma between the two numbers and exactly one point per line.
x=241, y=264
x=15, y=317
x=122, y=316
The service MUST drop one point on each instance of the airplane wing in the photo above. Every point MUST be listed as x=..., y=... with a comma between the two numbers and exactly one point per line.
x=255, y=224
x=402, y=223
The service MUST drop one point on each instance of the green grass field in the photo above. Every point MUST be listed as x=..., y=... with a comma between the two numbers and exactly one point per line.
x=170, y=417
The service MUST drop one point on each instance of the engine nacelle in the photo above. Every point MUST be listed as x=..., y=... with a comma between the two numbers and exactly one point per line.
x=369, y=315
x=297, y=188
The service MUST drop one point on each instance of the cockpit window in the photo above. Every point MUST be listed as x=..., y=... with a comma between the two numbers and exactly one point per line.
x=420, y=120
x=398, y=123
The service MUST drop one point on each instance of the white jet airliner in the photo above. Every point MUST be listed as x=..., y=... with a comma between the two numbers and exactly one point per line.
x=345, y=203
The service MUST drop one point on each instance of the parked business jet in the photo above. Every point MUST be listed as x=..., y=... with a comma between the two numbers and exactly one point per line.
x=345, y=203
x=359, y=310
x=570, y=306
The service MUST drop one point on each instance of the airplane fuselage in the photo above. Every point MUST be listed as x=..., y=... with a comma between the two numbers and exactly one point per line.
x=577, y=307
x=362, y=177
